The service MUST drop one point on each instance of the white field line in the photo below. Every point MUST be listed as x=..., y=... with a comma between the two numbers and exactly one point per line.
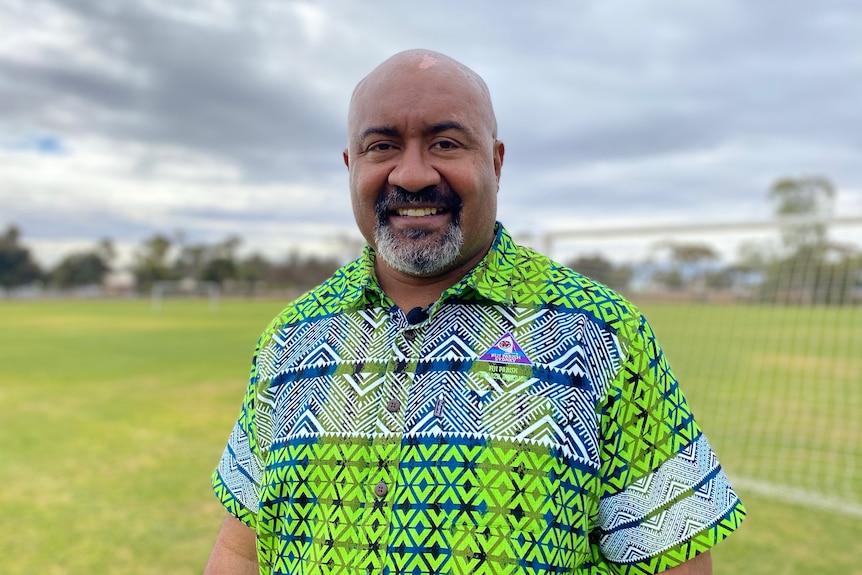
x=798, y=496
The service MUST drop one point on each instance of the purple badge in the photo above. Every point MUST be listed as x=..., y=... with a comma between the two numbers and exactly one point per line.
x=506, y=350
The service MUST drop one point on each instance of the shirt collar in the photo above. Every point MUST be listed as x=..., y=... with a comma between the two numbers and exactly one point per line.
x=492, y=278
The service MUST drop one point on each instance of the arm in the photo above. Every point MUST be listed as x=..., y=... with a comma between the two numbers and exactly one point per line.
x=700, y=565
x=235, y=551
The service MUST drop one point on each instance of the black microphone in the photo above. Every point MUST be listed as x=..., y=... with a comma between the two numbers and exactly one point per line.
x=416, y=315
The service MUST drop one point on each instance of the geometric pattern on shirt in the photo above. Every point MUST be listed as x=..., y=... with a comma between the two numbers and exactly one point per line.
x=490, y=470
x=666, y=506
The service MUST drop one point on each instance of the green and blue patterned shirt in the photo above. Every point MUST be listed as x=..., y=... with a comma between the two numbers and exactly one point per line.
x=529, y=425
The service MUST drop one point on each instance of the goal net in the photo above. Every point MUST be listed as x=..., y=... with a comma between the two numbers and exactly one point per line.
x=185, y=289
x=763, y=328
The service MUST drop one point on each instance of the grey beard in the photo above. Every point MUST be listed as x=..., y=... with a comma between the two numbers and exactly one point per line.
x=418, y=258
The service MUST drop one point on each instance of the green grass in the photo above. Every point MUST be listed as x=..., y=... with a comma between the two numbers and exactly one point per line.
x=113, y=419
x=778, y=389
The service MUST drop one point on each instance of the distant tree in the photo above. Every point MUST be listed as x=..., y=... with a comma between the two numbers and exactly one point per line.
x=227, y=248
x=684, y=264
x=809, y=196
x=216, y=263
x=79, y=269
x=151, y=263
x=602, y=270
x=670, y=278
x=191, y=260
x=689, y=254
x=17, y=266
x=254, y=268
x=299, y=272
x=222, y=264
x=830, y=274
x=219, y=269
x=812, y=268
x=84, y=268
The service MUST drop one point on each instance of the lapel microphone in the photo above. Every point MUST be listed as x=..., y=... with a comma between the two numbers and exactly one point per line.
x=416, y=315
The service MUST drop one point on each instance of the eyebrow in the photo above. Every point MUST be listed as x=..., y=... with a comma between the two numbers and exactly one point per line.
x=450, y=125
x=435, y=129
x=378, y=130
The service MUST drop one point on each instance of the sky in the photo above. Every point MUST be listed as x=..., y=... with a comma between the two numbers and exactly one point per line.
x=207, y=118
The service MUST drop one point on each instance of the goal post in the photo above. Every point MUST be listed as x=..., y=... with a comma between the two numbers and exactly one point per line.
x=765, y=338
x=185, y=289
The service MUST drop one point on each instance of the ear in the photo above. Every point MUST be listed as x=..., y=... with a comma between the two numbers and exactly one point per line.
x=499, y=152
x=346, y=159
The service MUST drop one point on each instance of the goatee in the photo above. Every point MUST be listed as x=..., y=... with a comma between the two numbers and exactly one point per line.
x=414, y=252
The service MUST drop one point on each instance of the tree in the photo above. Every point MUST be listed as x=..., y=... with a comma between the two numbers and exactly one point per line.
x=151, y=262
x=831, y=275
x=221, y=265
x=191, y=261
x=84, y=268
x=17, y=266
x=215, y=263
x=254, y=268
x=808, y=199
x=685, y=264
x=80, y=269
x=300, y=273
x=602, y=270
x=813, y=269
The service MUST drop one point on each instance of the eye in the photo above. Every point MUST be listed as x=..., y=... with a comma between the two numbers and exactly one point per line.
x=381, y=147
x=445, y=145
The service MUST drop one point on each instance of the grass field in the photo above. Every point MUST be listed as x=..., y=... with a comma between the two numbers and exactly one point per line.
x=113, y=418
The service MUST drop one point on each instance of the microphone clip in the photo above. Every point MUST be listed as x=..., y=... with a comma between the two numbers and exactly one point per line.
x=417, y=315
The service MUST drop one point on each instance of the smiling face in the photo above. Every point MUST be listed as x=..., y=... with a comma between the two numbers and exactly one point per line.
x=424, y=164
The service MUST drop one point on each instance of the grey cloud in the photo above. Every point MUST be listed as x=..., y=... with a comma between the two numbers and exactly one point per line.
x=202, y=88
x=575, y=85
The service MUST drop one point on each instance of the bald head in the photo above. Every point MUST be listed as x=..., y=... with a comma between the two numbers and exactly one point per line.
x=424, y=165
x=421, y=66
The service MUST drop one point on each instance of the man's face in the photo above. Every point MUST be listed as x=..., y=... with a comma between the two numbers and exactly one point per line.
x=424, y=168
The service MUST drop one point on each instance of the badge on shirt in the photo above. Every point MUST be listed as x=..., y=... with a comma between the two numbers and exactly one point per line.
x=506, y=350
x=506, y=357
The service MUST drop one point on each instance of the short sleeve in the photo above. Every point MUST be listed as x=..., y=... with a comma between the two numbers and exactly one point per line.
x=236, y=480
x=665, y=497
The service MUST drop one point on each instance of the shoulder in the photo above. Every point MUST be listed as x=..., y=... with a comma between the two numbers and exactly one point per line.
x=539, y=280
x=329, y=298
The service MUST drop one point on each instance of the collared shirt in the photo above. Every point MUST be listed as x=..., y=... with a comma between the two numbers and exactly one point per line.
x=529, y=424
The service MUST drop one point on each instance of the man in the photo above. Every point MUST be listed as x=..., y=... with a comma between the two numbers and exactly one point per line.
x=451, y=402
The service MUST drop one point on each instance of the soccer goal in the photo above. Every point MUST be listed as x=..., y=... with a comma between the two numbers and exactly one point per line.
x=762, y=325
x=185, y=289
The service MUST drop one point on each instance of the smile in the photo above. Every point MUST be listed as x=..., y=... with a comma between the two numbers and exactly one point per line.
x=418, y=212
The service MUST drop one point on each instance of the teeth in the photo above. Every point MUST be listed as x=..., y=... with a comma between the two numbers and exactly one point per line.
x=417, y=212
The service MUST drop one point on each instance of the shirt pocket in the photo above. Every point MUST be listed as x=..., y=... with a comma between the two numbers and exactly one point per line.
x=512, y=406
x=538, y=406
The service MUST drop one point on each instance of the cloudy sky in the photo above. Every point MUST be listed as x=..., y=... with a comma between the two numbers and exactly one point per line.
x=121, y=119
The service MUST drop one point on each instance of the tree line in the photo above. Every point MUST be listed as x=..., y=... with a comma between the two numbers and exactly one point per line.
x=161, y=258
x=808, y=267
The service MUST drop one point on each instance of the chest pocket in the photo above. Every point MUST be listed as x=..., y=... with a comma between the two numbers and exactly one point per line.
x=511, y=406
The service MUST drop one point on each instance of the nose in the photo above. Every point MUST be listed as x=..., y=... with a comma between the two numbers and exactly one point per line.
x=414, y=171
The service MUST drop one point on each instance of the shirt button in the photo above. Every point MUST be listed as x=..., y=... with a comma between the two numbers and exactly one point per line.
x=393, y=405
x=381, y=489
x=410, y=335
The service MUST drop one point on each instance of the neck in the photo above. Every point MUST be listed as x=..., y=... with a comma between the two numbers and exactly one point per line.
x=410, y=291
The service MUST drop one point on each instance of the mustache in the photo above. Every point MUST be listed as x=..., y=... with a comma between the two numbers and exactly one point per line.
x=397, y=195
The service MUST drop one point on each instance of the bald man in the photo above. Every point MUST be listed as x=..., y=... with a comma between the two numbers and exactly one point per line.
x=451, y=402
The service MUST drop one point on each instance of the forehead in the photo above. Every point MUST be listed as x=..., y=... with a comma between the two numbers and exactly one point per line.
x=412, y=96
